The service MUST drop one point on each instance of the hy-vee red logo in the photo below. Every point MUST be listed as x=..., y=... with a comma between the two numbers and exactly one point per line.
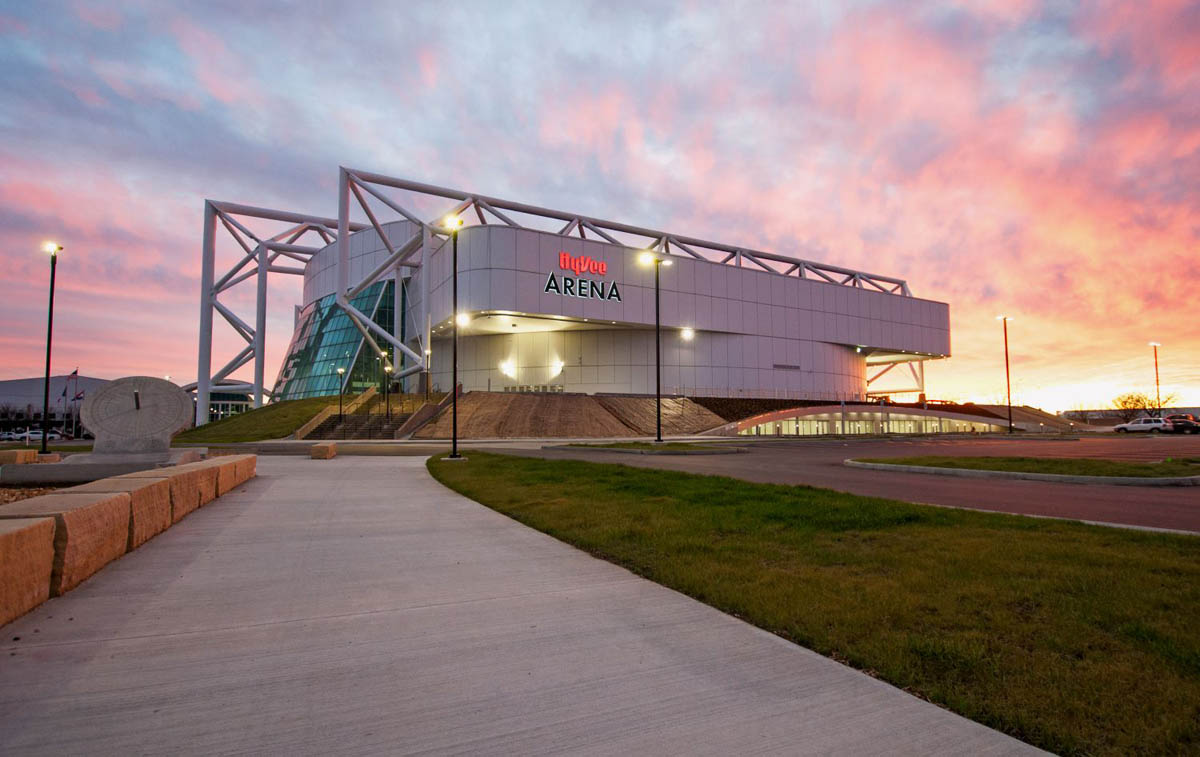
x=581, y=264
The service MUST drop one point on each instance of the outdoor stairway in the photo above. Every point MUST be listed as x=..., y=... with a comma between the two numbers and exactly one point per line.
x=368, y=422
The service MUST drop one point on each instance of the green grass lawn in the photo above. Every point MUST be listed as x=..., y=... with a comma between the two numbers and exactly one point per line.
x=1078, y=639
x=52, y=446
x=271, y=421
x=1060, y=465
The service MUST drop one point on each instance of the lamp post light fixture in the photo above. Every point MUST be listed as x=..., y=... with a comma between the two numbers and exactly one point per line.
x=387, y=385
x=452, y=224
x=340, y=372
x=53, y=249
x=1157, y=392
x=1007, y=379
x=658, y=261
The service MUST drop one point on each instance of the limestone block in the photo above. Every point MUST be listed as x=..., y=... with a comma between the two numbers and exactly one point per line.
x=18, y=456
x=26, y=563
x=91, y=529
x=190, y=486
x=323, y=451
x=225, y=467
x=246, y=467
x=149, y=503
x=49, y=457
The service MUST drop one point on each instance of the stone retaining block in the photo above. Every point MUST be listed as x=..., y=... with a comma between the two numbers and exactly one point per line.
x=18, y=456
x=232, y=470
x=91, y=529
x=246, y=467
x=149, y=502
x=26, y=564
x=190, y=486
x=323, y=451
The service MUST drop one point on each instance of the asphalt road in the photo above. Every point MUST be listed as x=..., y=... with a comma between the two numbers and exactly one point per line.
x=819, y=463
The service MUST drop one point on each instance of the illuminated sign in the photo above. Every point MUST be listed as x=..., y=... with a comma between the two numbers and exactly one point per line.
x=580, y=287
x=581, y=264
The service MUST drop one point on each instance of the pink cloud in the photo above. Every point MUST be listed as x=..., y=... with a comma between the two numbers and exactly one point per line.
x=219, y=70
x=99, y=16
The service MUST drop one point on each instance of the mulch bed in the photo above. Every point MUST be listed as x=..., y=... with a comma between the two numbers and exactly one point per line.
x=16, y=493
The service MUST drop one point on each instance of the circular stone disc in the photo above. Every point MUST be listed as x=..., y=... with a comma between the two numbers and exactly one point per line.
x=159, y=409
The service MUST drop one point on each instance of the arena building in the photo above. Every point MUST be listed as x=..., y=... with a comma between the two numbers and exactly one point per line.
x=550, y=301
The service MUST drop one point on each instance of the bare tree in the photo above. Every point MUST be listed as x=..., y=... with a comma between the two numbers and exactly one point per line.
x=1130, y=405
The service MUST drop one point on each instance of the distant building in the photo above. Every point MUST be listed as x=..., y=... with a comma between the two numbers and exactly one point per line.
x=21, y=399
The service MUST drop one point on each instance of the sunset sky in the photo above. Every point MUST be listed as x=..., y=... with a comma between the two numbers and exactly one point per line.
x=1035, y=159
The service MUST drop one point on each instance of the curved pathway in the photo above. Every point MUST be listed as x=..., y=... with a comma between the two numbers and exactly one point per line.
x=356, y=606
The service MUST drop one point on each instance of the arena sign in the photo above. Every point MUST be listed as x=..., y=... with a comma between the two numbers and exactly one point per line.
x=577, y=286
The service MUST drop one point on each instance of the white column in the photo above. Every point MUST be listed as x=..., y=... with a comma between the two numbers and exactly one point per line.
x=260, y=325
x=204, y=363
x=343, y=240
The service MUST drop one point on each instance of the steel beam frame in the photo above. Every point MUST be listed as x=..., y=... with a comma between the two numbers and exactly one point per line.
x=259, y=253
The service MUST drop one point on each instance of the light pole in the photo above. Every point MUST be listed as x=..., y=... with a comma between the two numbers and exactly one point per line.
x=387, y=384
x=1007, y=379
x=1158, y=394
x=452, y=223
x=53, y=249
x=649, y=258
x=340, y=372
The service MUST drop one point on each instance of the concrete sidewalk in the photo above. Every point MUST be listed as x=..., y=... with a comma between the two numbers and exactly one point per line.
x=356, y=606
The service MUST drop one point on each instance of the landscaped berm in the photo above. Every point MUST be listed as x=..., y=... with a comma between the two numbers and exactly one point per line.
x=273, y=421
x=1078, y=639
x=499, y=415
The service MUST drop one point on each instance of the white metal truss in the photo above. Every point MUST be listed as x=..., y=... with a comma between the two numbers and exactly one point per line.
x=351, y=181
x=261, y=255
x=915, y=367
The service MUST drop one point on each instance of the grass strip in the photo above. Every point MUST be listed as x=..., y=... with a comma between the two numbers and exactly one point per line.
x=1064, y=466
x=272, y=421
x=1078, y=639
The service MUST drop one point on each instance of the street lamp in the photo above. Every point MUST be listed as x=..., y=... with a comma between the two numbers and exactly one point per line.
x=53, y=249
x=387, y=384
x=649, y=258
x=452, y=223
x=1157, y=393
x=1007, y=379
x=340, y=372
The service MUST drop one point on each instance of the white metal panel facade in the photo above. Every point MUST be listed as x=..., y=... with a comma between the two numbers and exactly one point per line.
x=756, y=333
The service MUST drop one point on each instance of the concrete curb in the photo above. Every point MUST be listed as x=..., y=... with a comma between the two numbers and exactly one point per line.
x=631, y=451
x=1052, y=477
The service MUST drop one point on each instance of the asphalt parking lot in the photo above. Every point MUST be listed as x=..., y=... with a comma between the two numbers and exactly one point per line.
x=819, y=463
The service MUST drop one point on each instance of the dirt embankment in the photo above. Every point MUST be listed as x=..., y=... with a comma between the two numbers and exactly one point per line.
x=498, y=415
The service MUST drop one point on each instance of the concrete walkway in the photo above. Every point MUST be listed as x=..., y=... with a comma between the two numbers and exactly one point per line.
x=355, y=606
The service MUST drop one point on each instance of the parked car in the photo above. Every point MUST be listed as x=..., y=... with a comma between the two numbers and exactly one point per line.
x=1184, y=424
x=8, y=436
x=1149, y=425
x=35, y=435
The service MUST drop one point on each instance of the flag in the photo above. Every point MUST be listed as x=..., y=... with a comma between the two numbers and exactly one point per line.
x=64, y=394
x=78, y=397
x=75, y=372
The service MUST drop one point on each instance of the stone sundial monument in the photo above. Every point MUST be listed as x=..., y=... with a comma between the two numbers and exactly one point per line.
x=135, y=417
x=133, y=420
